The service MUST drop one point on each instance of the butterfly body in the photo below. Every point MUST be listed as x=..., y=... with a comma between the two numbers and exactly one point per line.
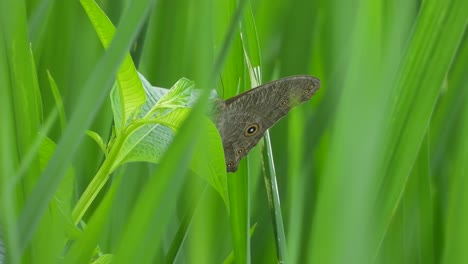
x=243, y=119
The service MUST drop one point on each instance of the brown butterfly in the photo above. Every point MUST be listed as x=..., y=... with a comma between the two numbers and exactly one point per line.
x=242, y=120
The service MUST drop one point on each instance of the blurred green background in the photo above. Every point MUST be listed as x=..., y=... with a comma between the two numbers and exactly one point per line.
x=372, y=170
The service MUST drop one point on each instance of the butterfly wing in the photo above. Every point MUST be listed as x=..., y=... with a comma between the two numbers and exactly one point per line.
x=243, y=119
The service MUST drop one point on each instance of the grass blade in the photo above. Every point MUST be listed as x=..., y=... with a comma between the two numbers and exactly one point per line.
x=274, y=202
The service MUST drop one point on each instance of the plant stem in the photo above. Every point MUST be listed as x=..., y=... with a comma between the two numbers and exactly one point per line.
x=98, y=181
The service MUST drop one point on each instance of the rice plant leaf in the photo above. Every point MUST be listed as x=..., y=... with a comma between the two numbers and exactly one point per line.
x=250, y=46
x=56, y=225
x=417, y=97
x=235, y=80
x=230, y=258
x=412, y=224
x=131, y=92
x=450, y=153
x=8, y=166
x=58, y=100
x=233, y=75
x=2, y=249
x=455, y=228
x=239, y=214
x=64, y=193
x=274, y=201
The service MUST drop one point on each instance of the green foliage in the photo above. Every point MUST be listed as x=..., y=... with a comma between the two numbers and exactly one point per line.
x=372, y=170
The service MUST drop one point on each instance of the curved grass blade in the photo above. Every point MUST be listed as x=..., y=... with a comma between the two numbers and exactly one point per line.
x=58, y=101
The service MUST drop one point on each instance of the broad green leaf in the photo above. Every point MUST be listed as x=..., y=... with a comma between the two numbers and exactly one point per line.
x=146, y=137
x=131, y=92
x=150, y=141
x=178, y=96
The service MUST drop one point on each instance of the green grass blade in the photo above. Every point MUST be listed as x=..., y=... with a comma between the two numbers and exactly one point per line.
x=38, y=23
x=271, y=186
x=455, y=227
x=58, y=101
x=410, y=236
x=31, y=156
x=449, y=109
x=55, y=224
x=342, y=216
x=229, y=37
x=297, y=183
x=182, y=231
x=238, y=189
x=417, y=96
x=8, y=219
